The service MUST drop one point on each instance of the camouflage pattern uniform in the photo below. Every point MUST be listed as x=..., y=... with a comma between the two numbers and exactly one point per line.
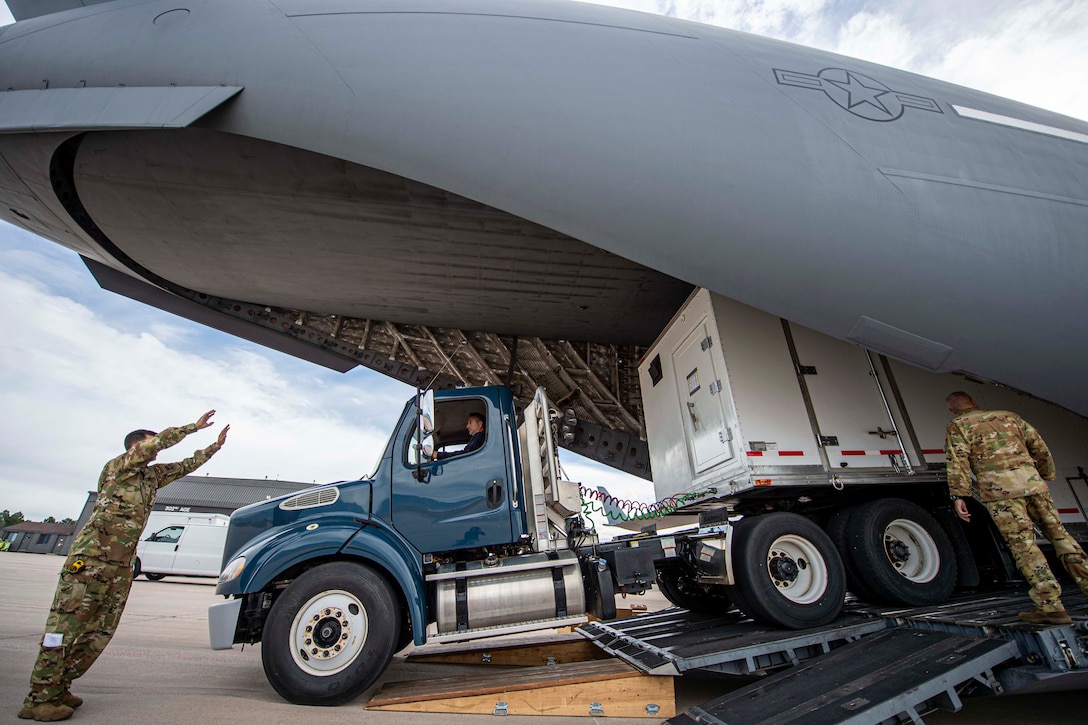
x=97, y=575
x=1012, y=464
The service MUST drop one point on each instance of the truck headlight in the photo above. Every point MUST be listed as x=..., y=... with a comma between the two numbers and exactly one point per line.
x=233, y=570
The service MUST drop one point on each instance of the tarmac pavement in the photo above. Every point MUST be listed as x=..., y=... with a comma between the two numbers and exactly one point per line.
x=159, y=668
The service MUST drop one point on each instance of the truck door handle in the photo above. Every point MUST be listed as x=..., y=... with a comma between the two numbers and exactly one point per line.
x=494, y=493
x=176, y=546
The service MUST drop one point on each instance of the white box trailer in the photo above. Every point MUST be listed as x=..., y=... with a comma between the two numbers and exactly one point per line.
x=816, y=465
x=737, y=399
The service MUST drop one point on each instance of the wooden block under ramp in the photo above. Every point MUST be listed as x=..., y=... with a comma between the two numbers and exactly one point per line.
x=608, y=688
x=552, y=649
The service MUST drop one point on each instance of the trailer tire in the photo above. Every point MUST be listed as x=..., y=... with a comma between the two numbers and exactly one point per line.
x=154, y=577
x=836, y=531
x=330, y=634
x=902, y=552
x=681, y=589
x=788, y=572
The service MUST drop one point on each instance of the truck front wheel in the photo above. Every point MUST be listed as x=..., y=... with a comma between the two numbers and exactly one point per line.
x=787, y=571
x=330, y=635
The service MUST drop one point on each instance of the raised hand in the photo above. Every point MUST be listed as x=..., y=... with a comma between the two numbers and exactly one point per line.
x=205, y=420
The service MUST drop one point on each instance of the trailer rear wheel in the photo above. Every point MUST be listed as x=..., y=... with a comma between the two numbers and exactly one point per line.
x=681, y=589
x=787, y=571
x=902, y=552
x=836, y=530
x=330, y=635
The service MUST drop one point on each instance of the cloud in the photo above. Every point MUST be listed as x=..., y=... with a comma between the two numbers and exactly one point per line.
x=76, y=382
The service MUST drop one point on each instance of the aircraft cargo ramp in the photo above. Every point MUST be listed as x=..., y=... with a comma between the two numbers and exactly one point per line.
x=872, y=665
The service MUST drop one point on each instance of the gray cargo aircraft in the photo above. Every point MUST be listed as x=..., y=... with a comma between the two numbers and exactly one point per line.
x=526, y=191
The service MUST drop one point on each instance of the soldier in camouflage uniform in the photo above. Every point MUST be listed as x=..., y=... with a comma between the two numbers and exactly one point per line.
x=1012, y=464
x=95, y=581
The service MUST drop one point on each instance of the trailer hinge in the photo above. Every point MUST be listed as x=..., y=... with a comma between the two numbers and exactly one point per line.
x=725, y=435
x=595, y=708
x=829, y=441
x=706, y=343
x=806, y=369
x=715, y=387
x=501, y=708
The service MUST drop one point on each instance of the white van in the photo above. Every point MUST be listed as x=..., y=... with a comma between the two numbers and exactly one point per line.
x=181, y=549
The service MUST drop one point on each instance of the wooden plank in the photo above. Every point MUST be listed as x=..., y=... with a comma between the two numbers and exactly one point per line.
x=567, y=690
x=525, y=652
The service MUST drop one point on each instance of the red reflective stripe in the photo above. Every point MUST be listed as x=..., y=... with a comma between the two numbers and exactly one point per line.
x=755, y=453
x=791, y=453
x=852, y=453
x=1069, y=511
x=932, y=451
x=890, y=452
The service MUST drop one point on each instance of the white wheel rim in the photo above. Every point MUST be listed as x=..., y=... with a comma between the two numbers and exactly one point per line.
x=797, y=569
x=328, y=633
x=911, y=551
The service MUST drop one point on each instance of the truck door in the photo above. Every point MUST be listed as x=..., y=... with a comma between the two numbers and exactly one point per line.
x=699, y=383
x=157, y=552
x=459, y=502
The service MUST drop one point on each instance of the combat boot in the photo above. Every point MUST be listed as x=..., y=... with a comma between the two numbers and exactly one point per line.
x=46, y=712
x=1038, y=616
x=72, y=701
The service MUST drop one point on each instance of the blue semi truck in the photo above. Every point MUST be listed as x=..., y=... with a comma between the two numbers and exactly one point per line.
x=797, y=467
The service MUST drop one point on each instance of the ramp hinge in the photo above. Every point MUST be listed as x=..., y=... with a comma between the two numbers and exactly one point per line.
x=501, y=708
x=595, y=708
x=706, y=343
x=652, y=709
x=806, y=369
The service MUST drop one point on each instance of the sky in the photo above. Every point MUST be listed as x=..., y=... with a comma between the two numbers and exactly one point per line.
x=80, y=367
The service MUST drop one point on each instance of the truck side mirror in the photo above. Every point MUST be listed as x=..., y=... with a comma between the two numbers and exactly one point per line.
x=424, y=427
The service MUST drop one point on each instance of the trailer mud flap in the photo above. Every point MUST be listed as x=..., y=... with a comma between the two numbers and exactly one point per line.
x=900, y=673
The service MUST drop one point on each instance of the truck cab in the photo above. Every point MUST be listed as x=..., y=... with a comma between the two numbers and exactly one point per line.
x=439, y=544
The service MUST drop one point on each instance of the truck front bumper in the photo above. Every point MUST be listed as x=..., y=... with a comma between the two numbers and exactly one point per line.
x=223, y=623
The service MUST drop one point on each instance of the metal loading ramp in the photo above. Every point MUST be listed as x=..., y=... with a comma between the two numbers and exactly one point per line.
x=889, y=677
x=673, y=641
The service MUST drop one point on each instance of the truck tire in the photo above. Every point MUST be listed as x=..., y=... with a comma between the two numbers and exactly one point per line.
x=136, y=567
x=836, y=531
x=902, y=553
x=788, y=573
x=680, y=588
x=330, y=635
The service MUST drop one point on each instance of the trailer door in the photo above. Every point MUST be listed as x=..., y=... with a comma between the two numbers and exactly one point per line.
x=703, y=402
x=846, y=399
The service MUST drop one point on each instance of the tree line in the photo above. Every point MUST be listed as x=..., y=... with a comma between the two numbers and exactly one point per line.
x=7, y=518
